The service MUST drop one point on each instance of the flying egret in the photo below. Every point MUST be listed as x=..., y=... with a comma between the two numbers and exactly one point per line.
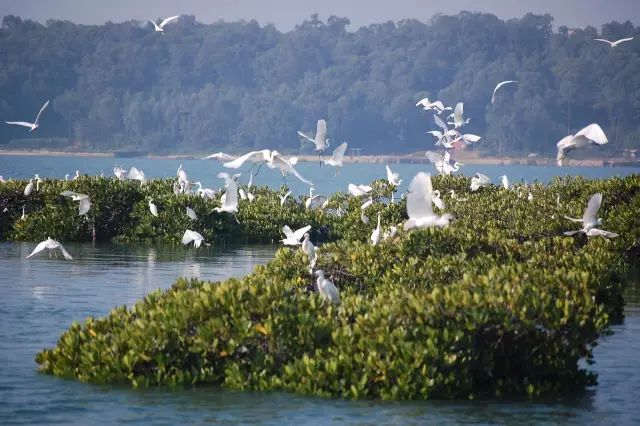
x=283, y=198
x=160, y=28
x=478, y=181
x=592, y=134
x=336, y=157
x=375, y=235
x=32, y=126
x=358, y=190
x=419, y=207
x=314, y=201
x=393, y=178
x=50, y=245
x=220, y=156
x=193, y=236
x=319, y=140
x=230, y=203
x=458, y=119
x=29, y=188
x=590, y=221
x=467, y=138
x=192, y=214
x=502, y=83
x=85, y=202
x=442, y=163
x=292, y=238
x=136, y=174
x=272, y=159
x=153, y=208
x=327, y=289
x=505, y=182
x=614, y=43
x=436, y=106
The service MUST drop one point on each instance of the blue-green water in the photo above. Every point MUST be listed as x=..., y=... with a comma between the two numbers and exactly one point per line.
x=323, y=177
x=41, y=296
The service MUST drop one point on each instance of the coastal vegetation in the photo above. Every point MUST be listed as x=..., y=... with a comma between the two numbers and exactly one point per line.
x=498, y=303
x=239, y=86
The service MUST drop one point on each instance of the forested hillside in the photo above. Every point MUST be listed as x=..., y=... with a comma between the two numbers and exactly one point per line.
x=239, y=86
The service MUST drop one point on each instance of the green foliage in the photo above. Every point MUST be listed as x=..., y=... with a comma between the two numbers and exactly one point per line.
x=499, y=303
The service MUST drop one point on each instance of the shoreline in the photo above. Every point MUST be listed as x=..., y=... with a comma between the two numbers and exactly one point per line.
x=463, y=157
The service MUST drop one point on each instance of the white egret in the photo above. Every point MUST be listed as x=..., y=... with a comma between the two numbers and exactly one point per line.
x=436, y=106
x=204, y=192
x=590, y=221
x=292, y=238
x=193, y=236
x=376, y=234
x=499, y=85
x=614, y=43
x=530, y=197
x=390, y=233
x=160, y=28
x=458, y=119
x=319, y=140
x=505, y=182
x=272, y=159
x=592, y=134
x=419, y=207
x=183, y=178
x=467, y=138
x=38, y=181
x=437, y=201
x=230, y=203
x=85, y=202
x=314, y=201
x=77, y=175
x=479, y=180
x=393, y=178
x=29, y=188
x=336, y=157
x=358, y=190
x=24, y=214
x=283, y=198
x=220, y=156
x=136, y=174
x=50, y=245
x=242, y=194
x=32, y=126
x=310, y=250
x=120, y=173
x=191, y=214
x=153, y=208
x=327, y=289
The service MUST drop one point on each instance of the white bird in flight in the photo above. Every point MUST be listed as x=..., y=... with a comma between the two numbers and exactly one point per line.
x=479, y=180
x=220, y=156
x=314, y=201
x=320, y=140
x=85, y=202
x=160, y=28
x=336, y=157
x=230, y=203
x=590, y=221
x=32, y=126
x=273, y=160
x=502, y=83
x=120, y=173
x=592, y=134
x=50, y=245
x=327, y=289
x=614, y=43
x=458, y=119
x=393, y=178
x=292, y=238
x=193, y=236
x=419, y=208
x=136, y=174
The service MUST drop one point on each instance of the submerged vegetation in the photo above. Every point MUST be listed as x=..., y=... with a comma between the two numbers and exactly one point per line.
x=498, y=303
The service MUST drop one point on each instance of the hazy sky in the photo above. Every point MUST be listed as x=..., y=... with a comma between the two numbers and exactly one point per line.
x=285, y=14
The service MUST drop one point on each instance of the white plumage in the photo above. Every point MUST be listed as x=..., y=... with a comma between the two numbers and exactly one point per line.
x=160, y=28
x=32, y=126
x=320, y=140
x=592, y=134
x=50, y=245
x=499, y=85
x=84, y=201
x=292, y=238
x=419, y=208
x=327, y=289
x=192, y=236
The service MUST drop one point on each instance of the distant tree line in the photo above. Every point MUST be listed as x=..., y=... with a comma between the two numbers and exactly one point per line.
x=240, y=86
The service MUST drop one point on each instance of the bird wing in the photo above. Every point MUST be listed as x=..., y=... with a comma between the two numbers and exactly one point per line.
x=250, y=156
x=594, y=133
x=321, y=132
x=470, y=138
x=70, y=194
x=155, y=25
x=423, y=102
x=338, y=153
x=192, y=214
x=307, y=138
x=46, y=104
x=20, y=123
x=457, y=114
x=135, y=174
x=84, y=206
x=419, y=196
x=502, y=83
x=573, y=219
x=231, y=199
x=390, y=176
x=286, y=167
x=595, y=232
x=167, y=20
x=288, y=233
x=440, y=123
x=622, y=40
x=65, y=253
x=299, y=233
x=604, y=40
x=591, y=212
x=188, y=237
x=220, y=156
x=41, y=246
x=434, y=157
x=484, y=179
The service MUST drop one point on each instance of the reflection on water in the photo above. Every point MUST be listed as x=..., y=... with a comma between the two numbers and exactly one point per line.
x=40, y=297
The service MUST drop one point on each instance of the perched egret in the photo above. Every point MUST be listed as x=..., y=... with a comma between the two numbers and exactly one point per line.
x=498, y=86
x=376, y=234
x=437, y=201
x=38, y=181
x=192, y=214
x=85, y=202
x=193, y=236
x=336, y=157
x=314, y=201
x=393, y=178
x=327, y=289
x=160, y=28
x=205, y=192
x=292, y=238
x=319, y=140
x=50, y=245
x=479, y=180
x=419, y=207
x=24, y=213
x=29, y=188
x=590, y=221
x=183, y=178
x=32, y=126
x=120, y=173
x=153, y=208
x=614, y=43
x=592, y=134
x=310, y=250
x=505, y=182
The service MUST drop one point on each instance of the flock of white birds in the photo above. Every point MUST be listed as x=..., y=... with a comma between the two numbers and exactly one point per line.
x=420, y=197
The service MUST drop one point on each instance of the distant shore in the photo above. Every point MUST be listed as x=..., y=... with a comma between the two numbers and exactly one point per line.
x=462, y=157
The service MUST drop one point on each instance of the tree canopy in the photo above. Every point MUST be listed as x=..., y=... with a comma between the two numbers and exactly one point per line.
x=237, y=86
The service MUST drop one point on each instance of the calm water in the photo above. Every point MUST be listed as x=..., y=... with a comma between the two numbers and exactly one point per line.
x=40, y=298
x=322, y=177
